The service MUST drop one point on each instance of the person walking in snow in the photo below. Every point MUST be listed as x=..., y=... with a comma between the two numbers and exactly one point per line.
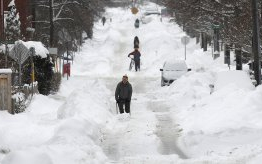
x=136, y=23
x=137, y=56
x=136, y=42
x=123, y=94
x=103, y=20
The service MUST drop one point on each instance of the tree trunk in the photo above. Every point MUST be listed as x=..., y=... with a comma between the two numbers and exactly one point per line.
x=202, y=40
x=238, y=53
x=209, y=41
x=216, y=40
x=197, y=38
x=205, y=42
x=51, y=39
x=256, y=42
x=216, y=43
x=227, y=54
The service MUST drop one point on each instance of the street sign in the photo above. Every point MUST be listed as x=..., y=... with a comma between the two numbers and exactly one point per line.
x=52, y=51
x=216, y=26
x=19, y=53
x=134, y=10
x=228, y=12
x=185, y=40
x=67, y=58
x=66, y=69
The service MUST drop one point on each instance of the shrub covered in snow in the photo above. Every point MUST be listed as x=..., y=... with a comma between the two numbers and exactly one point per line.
x=43, y=74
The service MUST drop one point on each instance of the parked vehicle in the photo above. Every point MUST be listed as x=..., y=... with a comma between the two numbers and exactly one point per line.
x=172, y=70
x=151, y=11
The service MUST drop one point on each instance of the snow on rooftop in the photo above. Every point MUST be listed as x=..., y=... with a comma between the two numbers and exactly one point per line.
x=40, y=49
x=12, y=3
x=5, y=71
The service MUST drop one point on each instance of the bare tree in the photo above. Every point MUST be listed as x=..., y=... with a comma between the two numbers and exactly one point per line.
x=233, y=18
x=76, y=16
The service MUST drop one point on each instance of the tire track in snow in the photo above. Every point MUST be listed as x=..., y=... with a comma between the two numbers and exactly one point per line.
x=110, y=141
x=168, y=132
x=110, y=145
x=166, y=129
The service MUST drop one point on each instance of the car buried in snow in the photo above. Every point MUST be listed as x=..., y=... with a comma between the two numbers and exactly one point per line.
x=151, y=11
x=172, y=70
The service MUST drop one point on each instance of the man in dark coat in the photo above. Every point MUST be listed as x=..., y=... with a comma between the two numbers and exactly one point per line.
x=104, y=20
x=136, y=42
x=123, y=94
x=137, y=56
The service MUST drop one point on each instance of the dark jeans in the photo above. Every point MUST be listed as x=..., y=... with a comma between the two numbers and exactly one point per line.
x=137, y=64
x=121, y=106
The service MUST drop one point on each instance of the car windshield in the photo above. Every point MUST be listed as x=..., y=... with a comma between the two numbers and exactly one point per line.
x=180, y=66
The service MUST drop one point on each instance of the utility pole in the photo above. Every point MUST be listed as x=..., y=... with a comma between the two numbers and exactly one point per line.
x=216, y=27
x=202, y=39
x=3, y=31
x=205, y=42
x=51, y=15
x=227, y=54
x=216, y=42
x=6, y=54
x=238, y=53
x=32, y=54
x=67, y=54
x=185, y=41
x=2, y=19
x=256, y=42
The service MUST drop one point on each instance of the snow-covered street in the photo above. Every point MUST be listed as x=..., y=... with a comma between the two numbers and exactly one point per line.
x=182, y=123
